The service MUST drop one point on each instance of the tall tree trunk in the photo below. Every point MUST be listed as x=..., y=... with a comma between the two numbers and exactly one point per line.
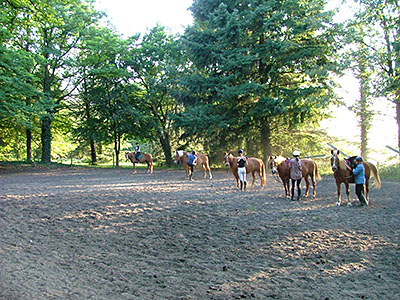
x=266, y=139
x=398, y=124
x=117, y=147
x=28, y=145
x=46, y=139
x=364, y=120
x=93, y=151
x=166, y=146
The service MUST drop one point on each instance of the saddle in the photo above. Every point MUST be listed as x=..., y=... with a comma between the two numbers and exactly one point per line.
x=350, y=162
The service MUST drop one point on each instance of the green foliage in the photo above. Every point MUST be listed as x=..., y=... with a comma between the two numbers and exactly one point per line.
x=252, y=63
x=391, y=171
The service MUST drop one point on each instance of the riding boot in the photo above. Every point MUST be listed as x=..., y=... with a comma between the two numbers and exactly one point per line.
x=245, y=184
x=241, y=185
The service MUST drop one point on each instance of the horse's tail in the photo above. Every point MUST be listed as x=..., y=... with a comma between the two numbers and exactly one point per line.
x=317, y=175
x=263, y=174
x=375, y=173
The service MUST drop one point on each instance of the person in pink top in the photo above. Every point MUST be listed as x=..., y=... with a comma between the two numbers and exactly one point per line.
x=295, y=174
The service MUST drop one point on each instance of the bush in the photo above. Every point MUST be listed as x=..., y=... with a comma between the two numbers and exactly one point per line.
x=391, y=171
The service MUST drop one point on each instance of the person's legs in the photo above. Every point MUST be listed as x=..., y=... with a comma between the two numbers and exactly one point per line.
x=298, y=189
x=191, y=172
x=360, y=195
x=292, y=190
x=241, y=178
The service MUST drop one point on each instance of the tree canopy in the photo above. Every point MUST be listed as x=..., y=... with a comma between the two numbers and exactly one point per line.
x=248, y=74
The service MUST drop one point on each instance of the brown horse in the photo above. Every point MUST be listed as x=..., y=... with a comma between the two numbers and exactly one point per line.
x=344, y=174
x=309, y=168
x=144, y=158
x=202, y=160
x=253, y=165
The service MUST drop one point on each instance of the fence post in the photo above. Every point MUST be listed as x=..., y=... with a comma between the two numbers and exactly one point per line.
x=397, y=151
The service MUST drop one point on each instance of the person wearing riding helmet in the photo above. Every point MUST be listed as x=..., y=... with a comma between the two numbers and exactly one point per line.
x=242, y=170
x=192, y=162
x=295, y=174
x=137, y=151
x=359, y=180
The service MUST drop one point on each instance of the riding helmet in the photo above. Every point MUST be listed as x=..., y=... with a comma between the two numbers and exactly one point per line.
x=193, y=152
x=359, y=158
x=240, y=151
x=296, y=153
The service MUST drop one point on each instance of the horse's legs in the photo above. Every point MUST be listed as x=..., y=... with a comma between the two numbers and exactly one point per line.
x=237, y=179
x=209, y=171
x=287, y=188
x=314, y=185
x=187, y=169
x=339, y=200
x=307, y=185
x=367, y=190
x=134, y=168
x=204, y=170
x=347, y=192
x=254, y=178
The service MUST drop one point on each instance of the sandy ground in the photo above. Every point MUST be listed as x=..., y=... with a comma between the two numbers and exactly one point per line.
x=109, y=234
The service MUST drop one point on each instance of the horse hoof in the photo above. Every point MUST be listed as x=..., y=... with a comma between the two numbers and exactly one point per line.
x=337, y=204
x=349, y=204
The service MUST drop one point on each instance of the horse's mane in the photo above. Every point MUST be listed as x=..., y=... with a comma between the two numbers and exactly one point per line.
x=342, y=164
x=279, y=159
x=180, y=152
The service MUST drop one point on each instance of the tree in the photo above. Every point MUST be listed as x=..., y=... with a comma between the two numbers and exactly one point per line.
x=382, y=18
x=54, y=30
x=107, y=105
x=18, y=86
x=155, y=65
x=255, y=62
x=360, y=61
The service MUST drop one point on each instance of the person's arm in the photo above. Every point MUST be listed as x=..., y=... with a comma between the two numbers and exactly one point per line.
x=357, y=170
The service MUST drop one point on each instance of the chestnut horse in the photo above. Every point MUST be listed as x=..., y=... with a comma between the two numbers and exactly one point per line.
x=309, y=168
x=143, y=158
x=253, y=165
x=344, y=174
x=202, y=160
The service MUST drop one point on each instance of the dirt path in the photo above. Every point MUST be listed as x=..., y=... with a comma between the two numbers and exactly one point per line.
x=108, y=234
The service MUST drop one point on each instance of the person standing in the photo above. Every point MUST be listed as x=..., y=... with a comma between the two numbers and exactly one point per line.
x=359, y=180
x=137, y=151
x=295, y=173
x=192, y=162
x=242, y=170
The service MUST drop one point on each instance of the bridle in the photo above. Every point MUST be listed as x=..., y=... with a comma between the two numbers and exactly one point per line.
x=334, y=162
x=274, y=171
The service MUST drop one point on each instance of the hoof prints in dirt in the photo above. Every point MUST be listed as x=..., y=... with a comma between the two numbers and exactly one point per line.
x=108, y=234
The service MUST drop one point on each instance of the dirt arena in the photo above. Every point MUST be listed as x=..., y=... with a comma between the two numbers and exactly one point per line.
x=109, y=234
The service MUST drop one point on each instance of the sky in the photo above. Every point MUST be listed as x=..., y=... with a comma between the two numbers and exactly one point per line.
x=134, y=16
x=137, y=16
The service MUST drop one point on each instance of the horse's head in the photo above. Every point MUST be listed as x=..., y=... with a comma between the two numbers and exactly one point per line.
x=335, y=163
x=127, y=156
x=228, y=158
x=272, y=164
x=177, y=156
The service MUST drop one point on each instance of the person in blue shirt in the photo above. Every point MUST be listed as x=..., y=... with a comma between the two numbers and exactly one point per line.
x=192, y=162
x=359, y=180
